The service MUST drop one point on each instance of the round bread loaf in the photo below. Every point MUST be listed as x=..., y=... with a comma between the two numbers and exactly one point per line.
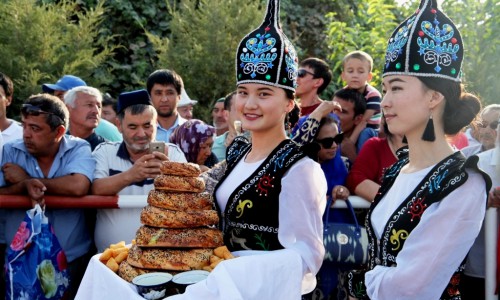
x=128, y=272
x=179, y=238
x=160, y=217
x=169, y=259
x=180, y=201
x=180, y=169
x=179, y=183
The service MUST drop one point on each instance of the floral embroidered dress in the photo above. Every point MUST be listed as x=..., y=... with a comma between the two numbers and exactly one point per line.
x=251, y=215
x=409, y=237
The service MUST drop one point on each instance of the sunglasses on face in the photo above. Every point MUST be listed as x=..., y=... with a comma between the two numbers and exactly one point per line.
x=493, y=125
x=327, y=143
x=35, y=110
x=303, y=72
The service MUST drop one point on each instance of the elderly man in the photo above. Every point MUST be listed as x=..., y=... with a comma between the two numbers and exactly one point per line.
x=47, y=161
x=128, y=168
x=488, y=151
x=84, y=105
x=185, y=106
x=105, y=129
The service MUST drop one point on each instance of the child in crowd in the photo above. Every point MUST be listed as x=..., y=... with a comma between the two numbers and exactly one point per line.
x=357, y=73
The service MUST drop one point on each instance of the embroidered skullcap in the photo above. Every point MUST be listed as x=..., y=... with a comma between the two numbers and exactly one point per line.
x=427, y=44
x=266, y=56
x=131, y=98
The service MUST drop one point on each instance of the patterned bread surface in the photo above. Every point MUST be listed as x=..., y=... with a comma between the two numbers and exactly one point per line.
x=179, y=183
x=160, y=217
x=203, y=237
x=169, y=259
x=180, y=201
x=128, y=272
x=180, y=169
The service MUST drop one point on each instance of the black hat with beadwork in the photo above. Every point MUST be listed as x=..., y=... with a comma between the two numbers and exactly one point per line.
x=427, y=44
x=266, y=56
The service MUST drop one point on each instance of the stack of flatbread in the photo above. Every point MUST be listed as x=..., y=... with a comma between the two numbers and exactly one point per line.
x=178, y=232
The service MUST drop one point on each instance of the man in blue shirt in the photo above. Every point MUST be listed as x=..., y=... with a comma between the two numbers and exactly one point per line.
x=48, y=161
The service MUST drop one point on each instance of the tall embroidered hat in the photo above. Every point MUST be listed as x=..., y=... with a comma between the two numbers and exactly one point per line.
x=266, y=56
x=427, y=44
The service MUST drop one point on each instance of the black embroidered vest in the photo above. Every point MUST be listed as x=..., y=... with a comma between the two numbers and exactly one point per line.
x=250, y=220
x=444, y=178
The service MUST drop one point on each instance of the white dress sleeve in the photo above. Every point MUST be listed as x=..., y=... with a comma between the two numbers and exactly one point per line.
x=435, y=248
x=281, y=274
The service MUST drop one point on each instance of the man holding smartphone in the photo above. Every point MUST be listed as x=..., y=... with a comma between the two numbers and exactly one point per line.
x=129, y=167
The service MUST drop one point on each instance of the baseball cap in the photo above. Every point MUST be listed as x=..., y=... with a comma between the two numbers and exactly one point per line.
x=65, y=83
x=185, y=100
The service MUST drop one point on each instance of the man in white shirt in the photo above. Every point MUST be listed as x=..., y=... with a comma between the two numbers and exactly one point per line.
x=127, y=168
x=10, y=129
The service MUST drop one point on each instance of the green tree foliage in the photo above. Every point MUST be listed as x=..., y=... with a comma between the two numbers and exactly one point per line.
x=480, y=27
x=202, y=45
x=126, y=22
x=40, y=43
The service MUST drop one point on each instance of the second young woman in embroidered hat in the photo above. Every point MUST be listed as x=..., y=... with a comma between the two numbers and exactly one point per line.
x=431, y=203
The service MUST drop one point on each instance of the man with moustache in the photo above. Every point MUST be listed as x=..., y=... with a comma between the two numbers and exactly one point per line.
x=47, y=161
x=486, y=131
x=473, y=280
x=165, y=87
x=219, y=117
x=127, y=168
x=84, y=105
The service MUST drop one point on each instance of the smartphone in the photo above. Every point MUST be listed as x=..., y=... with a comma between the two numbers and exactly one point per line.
x=157, y=146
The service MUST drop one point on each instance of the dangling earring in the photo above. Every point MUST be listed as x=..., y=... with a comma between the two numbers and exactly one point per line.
x=404, y=140
x=429, y=135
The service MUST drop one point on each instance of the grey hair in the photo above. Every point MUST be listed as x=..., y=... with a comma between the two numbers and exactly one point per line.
x=71, y=95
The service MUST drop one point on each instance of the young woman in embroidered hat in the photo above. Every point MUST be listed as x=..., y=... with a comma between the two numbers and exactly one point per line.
x=272, y=196
x=431, y=203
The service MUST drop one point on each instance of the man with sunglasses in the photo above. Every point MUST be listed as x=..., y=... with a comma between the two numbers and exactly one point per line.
x=313, y=76
x=47, y=161
x=486, y=131
x=472, y=281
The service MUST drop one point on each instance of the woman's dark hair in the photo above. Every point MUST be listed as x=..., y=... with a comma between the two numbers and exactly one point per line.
x=289, y=94
x=461, y=108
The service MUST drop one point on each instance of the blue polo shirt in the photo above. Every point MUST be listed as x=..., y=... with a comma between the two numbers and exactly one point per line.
x=74, y=156
x=163, y=134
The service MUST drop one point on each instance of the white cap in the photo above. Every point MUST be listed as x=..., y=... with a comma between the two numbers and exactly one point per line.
x=185, y=100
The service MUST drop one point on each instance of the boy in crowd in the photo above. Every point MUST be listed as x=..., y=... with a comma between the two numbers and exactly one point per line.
x=357, y=73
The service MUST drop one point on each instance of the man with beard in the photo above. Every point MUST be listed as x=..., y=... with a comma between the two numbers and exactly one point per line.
x=128, y=168
x=165, y=86
x=84, y=105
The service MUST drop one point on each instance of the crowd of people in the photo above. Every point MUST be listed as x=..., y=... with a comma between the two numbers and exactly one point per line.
x=412, y=153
